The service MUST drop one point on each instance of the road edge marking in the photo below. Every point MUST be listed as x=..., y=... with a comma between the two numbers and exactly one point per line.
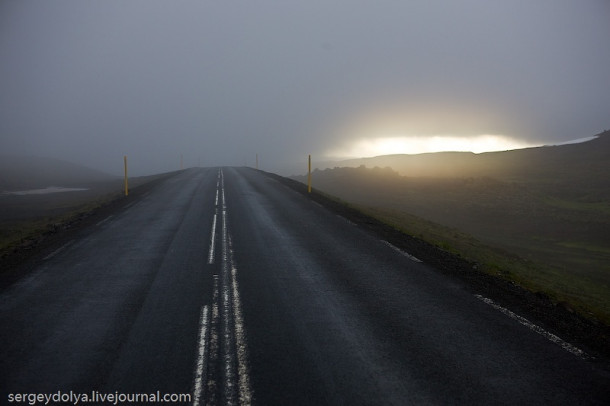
x=104, y=221
x=549, y=336
x=58, y=250
x=404, y=253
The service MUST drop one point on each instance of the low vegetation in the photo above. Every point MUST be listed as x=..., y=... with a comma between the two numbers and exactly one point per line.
x=29, y=219
x=26, y=220
x=585, y=290
x=548, y=234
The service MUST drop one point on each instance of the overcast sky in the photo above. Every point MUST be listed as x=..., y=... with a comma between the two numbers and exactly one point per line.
x=218, y=82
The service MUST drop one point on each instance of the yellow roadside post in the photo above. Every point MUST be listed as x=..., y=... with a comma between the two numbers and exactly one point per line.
x=309, y=175
x=126, y=185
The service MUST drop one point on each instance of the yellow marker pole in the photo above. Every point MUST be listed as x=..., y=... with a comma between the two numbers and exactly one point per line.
x=126, y=185
x=309, y=175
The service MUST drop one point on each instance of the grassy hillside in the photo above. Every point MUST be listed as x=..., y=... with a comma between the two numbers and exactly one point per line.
x=538, y=216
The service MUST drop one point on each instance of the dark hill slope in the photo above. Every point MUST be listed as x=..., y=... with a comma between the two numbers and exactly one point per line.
x=576, y=170
x=548, y=206
x=22, y=173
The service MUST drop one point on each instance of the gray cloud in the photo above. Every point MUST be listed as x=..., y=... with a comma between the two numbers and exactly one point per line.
x=219, y=82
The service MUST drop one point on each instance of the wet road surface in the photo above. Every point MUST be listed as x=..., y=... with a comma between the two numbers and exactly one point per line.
x=224, y=284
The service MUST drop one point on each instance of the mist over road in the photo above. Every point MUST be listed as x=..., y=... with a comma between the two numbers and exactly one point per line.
x=224, y=284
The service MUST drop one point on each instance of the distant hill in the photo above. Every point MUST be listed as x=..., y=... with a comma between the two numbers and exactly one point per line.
x=504, y=164
x=21, y=173
x=585, y=165
x=545, y=212
x=555, y=193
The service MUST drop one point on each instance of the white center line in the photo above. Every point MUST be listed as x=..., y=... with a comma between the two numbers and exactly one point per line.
x=212, y=241
x=221, y=371
x=200, y=366
x=213, y=357
x=245, y=394
x=227, y=330
x=235, y=333
x=222, y=190
x=213, y=232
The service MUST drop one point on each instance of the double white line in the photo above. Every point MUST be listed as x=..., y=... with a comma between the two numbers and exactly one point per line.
x=221, y=370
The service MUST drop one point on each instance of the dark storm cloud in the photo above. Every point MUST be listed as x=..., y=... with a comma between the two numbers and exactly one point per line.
x=219, y=82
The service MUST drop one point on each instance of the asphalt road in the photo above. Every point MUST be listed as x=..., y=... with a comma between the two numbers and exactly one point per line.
x=227, y=286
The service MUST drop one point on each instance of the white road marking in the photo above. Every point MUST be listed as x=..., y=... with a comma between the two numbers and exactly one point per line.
x=224, y=332
x=236, y=354
x=551, y=337
x=347, y=220
x=212, y=241
x=222, y=190
x=406, y=254
x=245, y=394
x=213, y=232
x=227, y=330
x=200, y=366
x=211, y=382
x=58, y=250
x=104, y=221
x=227, y=334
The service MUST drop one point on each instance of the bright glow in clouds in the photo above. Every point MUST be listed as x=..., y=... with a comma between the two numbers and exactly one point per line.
x=423, y=144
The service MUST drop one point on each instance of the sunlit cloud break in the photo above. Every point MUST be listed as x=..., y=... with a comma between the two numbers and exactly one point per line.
x=424, y=144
